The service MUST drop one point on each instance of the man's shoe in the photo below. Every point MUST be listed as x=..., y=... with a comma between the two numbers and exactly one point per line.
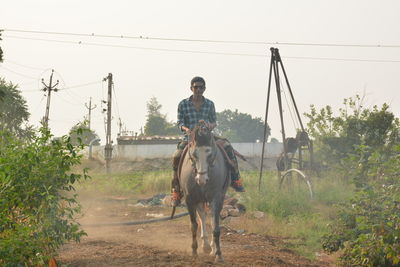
x=237, y=185
x=175, y=198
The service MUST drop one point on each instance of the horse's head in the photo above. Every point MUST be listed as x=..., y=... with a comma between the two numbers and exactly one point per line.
x=202, y=152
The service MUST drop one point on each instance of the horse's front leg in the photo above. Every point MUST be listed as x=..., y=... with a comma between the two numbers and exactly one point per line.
x=216, y=207
x=204, y=235
x=194, y=225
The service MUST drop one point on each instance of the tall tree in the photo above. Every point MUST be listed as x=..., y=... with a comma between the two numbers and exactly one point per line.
x=339, y=137
x=153, y=107
x=13, y=110
x=81, y=131
x=1, y=51
x=156, y=123
x=2, y=92
x=240, y=127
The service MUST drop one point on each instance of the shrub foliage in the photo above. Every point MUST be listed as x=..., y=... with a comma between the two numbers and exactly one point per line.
x=338, y=137
x=37, y=203
x=368, y=228
x=363, y=143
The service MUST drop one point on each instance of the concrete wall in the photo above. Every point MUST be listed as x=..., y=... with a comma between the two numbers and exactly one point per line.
x=135, y=152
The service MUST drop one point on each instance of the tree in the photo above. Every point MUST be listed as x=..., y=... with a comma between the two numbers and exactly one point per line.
x=364, y=144
x=13, y=110
x=156, y=123
x=366, y=228
x=1, y=51
x=38, y=203
x=240, y=127
x=274, y=140
x=338, y=137
x=153, y=107
x=2, y=95
x=80, y=133
x=2, y=92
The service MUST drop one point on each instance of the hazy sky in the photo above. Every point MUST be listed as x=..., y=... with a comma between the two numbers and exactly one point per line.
x=233, y=81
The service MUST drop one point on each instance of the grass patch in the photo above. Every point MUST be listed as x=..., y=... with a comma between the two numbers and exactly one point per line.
x=157, y=182
x=138, y=182
x=290, y=212
x=279, y=203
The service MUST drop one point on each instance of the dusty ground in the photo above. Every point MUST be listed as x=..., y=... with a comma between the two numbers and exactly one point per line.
x=165, y=243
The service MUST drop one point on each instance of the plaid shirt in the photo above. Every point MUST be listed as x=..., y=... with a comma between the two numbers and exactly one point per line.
x=188, y=116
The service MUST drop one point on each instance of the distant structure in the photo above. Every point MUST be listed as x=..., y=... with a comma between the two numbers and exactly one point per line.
x=132, y=138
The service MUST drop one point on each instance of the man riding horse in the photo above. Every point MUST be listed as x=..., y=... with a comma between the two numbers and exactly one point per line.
x=191, y=111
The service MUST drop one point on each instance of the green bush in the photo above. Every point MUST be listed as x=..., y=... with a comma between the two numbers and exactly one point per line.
x=338, y=138
x=368, y=229
x=37, y=203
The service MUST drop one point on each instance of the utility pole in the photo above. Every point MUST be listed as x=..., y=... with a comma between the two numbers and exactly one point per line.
x=48, y=88
x=90, y=110
x=120, y=126
x=108, y=148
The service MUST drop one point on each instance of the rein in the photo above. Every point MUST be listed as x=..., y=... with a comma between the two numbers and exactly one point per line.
x=192, y=143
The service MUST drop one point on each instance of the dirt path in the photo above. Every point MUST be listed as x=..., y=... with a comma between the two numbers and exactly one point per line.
x=165, y=243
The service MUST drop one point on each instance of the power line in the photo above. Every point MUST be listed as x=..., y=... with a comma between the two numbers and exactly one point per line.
x=69, y=102
x=69, y=93
x=40, y=102
x=140, y=37
x=75, y=97
x=345, y=59
x=136, y=47
x=65, y=88
x=20, y=74
x=21, y=65
x=33, y=90
x=206, y=52
x=115, y=101
x=25, y=84
x=81, y=85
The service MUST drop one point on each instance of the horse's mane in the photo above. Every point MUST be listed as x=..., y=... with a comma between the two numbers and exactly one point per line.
x=201, y=135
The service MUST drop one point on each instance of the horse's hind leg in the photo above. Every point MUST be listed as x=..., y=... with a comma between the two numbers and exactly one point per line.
x=204, y=236
x=216, y=246
x=192, y=213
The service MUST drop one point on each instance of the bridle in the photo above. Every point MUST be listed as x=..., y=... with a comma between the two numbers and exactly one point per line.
x=192, y=144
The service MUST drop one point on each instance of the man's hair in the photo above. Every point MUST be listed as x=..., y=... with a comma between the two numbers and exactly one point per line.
x=197, y=79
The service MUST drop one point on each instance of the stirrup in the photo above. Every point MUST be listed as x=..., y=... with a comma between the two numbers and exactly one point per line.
x=175, y=198
x=237, y=185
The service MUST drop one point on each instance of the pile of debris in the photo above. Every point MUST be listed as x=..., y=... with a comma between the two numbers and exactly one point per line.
x=156, y=200
x=231, y=208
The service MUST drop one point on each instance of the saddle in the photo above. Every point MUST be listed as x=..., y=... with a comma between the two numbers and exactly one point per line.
x=220, y=142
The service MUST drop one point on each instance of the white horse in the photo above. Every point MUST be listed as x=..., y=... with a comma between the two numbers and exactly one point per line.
x=204, y=179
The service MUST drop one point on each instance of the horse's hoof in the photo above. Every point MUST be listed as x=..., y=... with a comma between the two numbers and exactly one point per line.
x=212, y=253
x=207, y=249
x=219, y=259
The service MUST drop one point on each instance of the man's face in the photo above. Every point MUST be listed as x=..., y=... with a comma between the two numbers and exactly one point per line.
x=198, y=88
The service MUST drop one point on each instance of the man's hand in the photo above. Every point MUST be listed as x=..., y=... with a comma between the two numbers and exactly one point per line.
x=205, y=123
x=186, y=130
x=210, y=126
